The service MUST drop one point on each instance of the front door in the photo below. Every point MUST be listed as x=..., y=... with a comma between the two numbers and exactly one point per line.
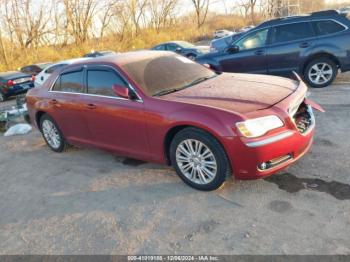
x=115, y=123
x=251, y=56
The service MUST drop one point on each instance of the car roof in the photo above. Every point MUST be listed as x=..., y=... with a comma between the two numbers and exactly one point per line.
x=174, y=42
x=69, y=61
x=126, y=58
x=327, y=14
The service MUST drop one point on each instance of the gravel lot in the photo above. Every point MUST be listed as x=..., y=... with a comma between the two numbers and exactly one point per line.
x=90, y=202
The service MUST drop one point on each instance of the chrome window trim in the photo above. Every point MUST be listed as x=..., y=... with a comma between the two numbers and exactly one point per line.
x=302, y=21
x=139, y=99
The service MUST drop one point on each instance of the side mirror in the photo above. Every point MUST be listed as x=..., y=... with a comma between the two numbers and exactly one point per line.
x=233, y=49
x=178, y=50
x=121, y=91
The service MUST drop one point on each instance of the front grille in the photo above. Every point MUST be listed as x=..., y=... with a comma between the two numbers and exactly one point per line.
x=303, y=118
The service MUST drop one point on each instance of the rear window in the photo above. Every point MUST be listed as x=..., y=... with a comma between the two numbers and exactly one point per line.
x=156, y=74
x=71, y=82
x=290, y=32
x=327, y=27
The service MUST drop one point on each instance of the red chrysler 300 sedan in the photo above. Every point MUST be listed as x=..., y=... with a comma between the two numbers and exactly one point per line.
x=162, y=107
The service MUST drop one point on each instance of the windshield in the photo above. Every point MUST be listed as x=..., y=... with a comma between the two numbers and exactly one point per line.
x=159, y=74
x=185, y=44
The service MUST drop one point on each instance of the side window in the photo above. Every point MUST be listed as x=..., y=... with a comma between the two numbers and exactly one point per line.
x=254, y=40
x=100, y=82
x=160, y=47
x=290, y=32
x=70, y=82
x=172, y=47
x=326, y=27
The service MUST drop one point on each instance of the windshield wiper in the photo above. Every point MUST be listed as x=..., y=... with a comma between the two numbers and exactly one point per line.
x=165, y=92
x=199, y=80
x=195, y=82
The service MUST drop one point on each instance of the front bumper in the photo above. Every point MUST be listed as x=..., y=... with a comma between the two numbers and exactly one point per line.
x=264, y=157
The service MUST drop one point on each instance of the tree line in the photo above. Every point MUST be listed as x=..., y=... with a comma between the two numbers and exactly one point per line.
x=32, y=24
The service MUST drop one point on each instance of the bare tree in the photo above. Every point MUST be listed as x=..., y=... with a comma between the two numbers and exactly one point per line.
x=26, y=22
x=248, y=7
x=107, y=12
x=201, y=9
x=120, y=19
x=161, y=11
x=136, y=9
x=79, y=18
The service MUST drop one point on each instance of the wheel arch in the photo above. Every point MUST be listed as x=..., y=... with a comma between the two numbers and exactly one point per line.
x=320, y=55
x=38, y=116
x=171, y=133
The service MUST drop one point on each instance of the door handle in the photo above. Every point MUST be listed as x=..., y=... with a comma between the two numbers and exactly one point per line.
x=91, y=106
x=55, y=103
x=304, y=45
x=260, y=52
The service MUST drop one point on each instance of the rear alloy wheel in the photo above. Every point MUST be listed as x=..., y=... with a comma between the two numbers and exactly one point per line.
x=320, y=72
x=199, y=159
x=51, y=133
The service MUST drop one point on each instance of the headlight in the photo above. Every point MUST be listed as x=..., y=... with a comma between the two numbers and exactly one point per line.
x=258, y=126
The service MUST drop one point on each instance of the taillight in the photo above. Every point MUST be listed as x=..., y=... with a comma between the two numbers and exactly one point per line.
x=10, y=83
x=33, y=78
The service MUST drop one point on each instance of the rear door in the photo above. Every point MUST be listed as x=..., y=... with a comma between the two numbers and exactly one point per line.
x=115, y=123
x=251, y=57
x=288, y=44
x=67, y=105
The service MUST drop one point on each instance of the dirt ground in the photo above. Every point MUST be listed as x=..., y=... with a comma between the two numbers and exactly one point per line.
x=91, y=202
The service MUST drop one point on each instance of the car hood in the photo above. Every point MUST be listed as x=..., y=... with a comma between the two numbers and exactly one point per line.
x=241, y=93
x=202, y=48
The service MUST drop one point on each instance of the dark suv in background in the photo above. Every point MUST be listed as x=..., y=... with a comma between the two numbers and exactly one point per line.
x=316, y=46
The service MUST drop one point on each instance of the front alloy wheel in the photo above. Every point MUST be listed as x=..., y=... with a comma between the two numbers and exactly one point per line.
x=196, y=161
x=199, y=159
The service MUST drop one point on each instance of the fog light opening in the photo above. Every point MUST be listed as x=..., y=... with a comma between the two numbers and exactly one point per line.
x=274, y=162
x=263, y=166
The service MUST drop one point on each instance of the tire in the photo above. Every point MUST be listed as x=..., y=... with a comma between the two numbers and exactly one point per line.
x=320, y=72
x=191, y=56
x=2, y=97
x=187, y=167
x=58, y=145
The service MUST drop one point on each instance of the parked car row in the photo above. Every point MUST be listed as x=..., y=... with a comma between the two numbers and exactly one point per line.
x=19, y=82
x=208, y=123
x=316, y=46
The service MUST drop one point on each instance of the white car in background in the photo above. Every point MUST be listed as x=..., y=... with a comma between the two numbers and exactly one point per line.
x=45, y=74
x=222, y=33
x=247, y=28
